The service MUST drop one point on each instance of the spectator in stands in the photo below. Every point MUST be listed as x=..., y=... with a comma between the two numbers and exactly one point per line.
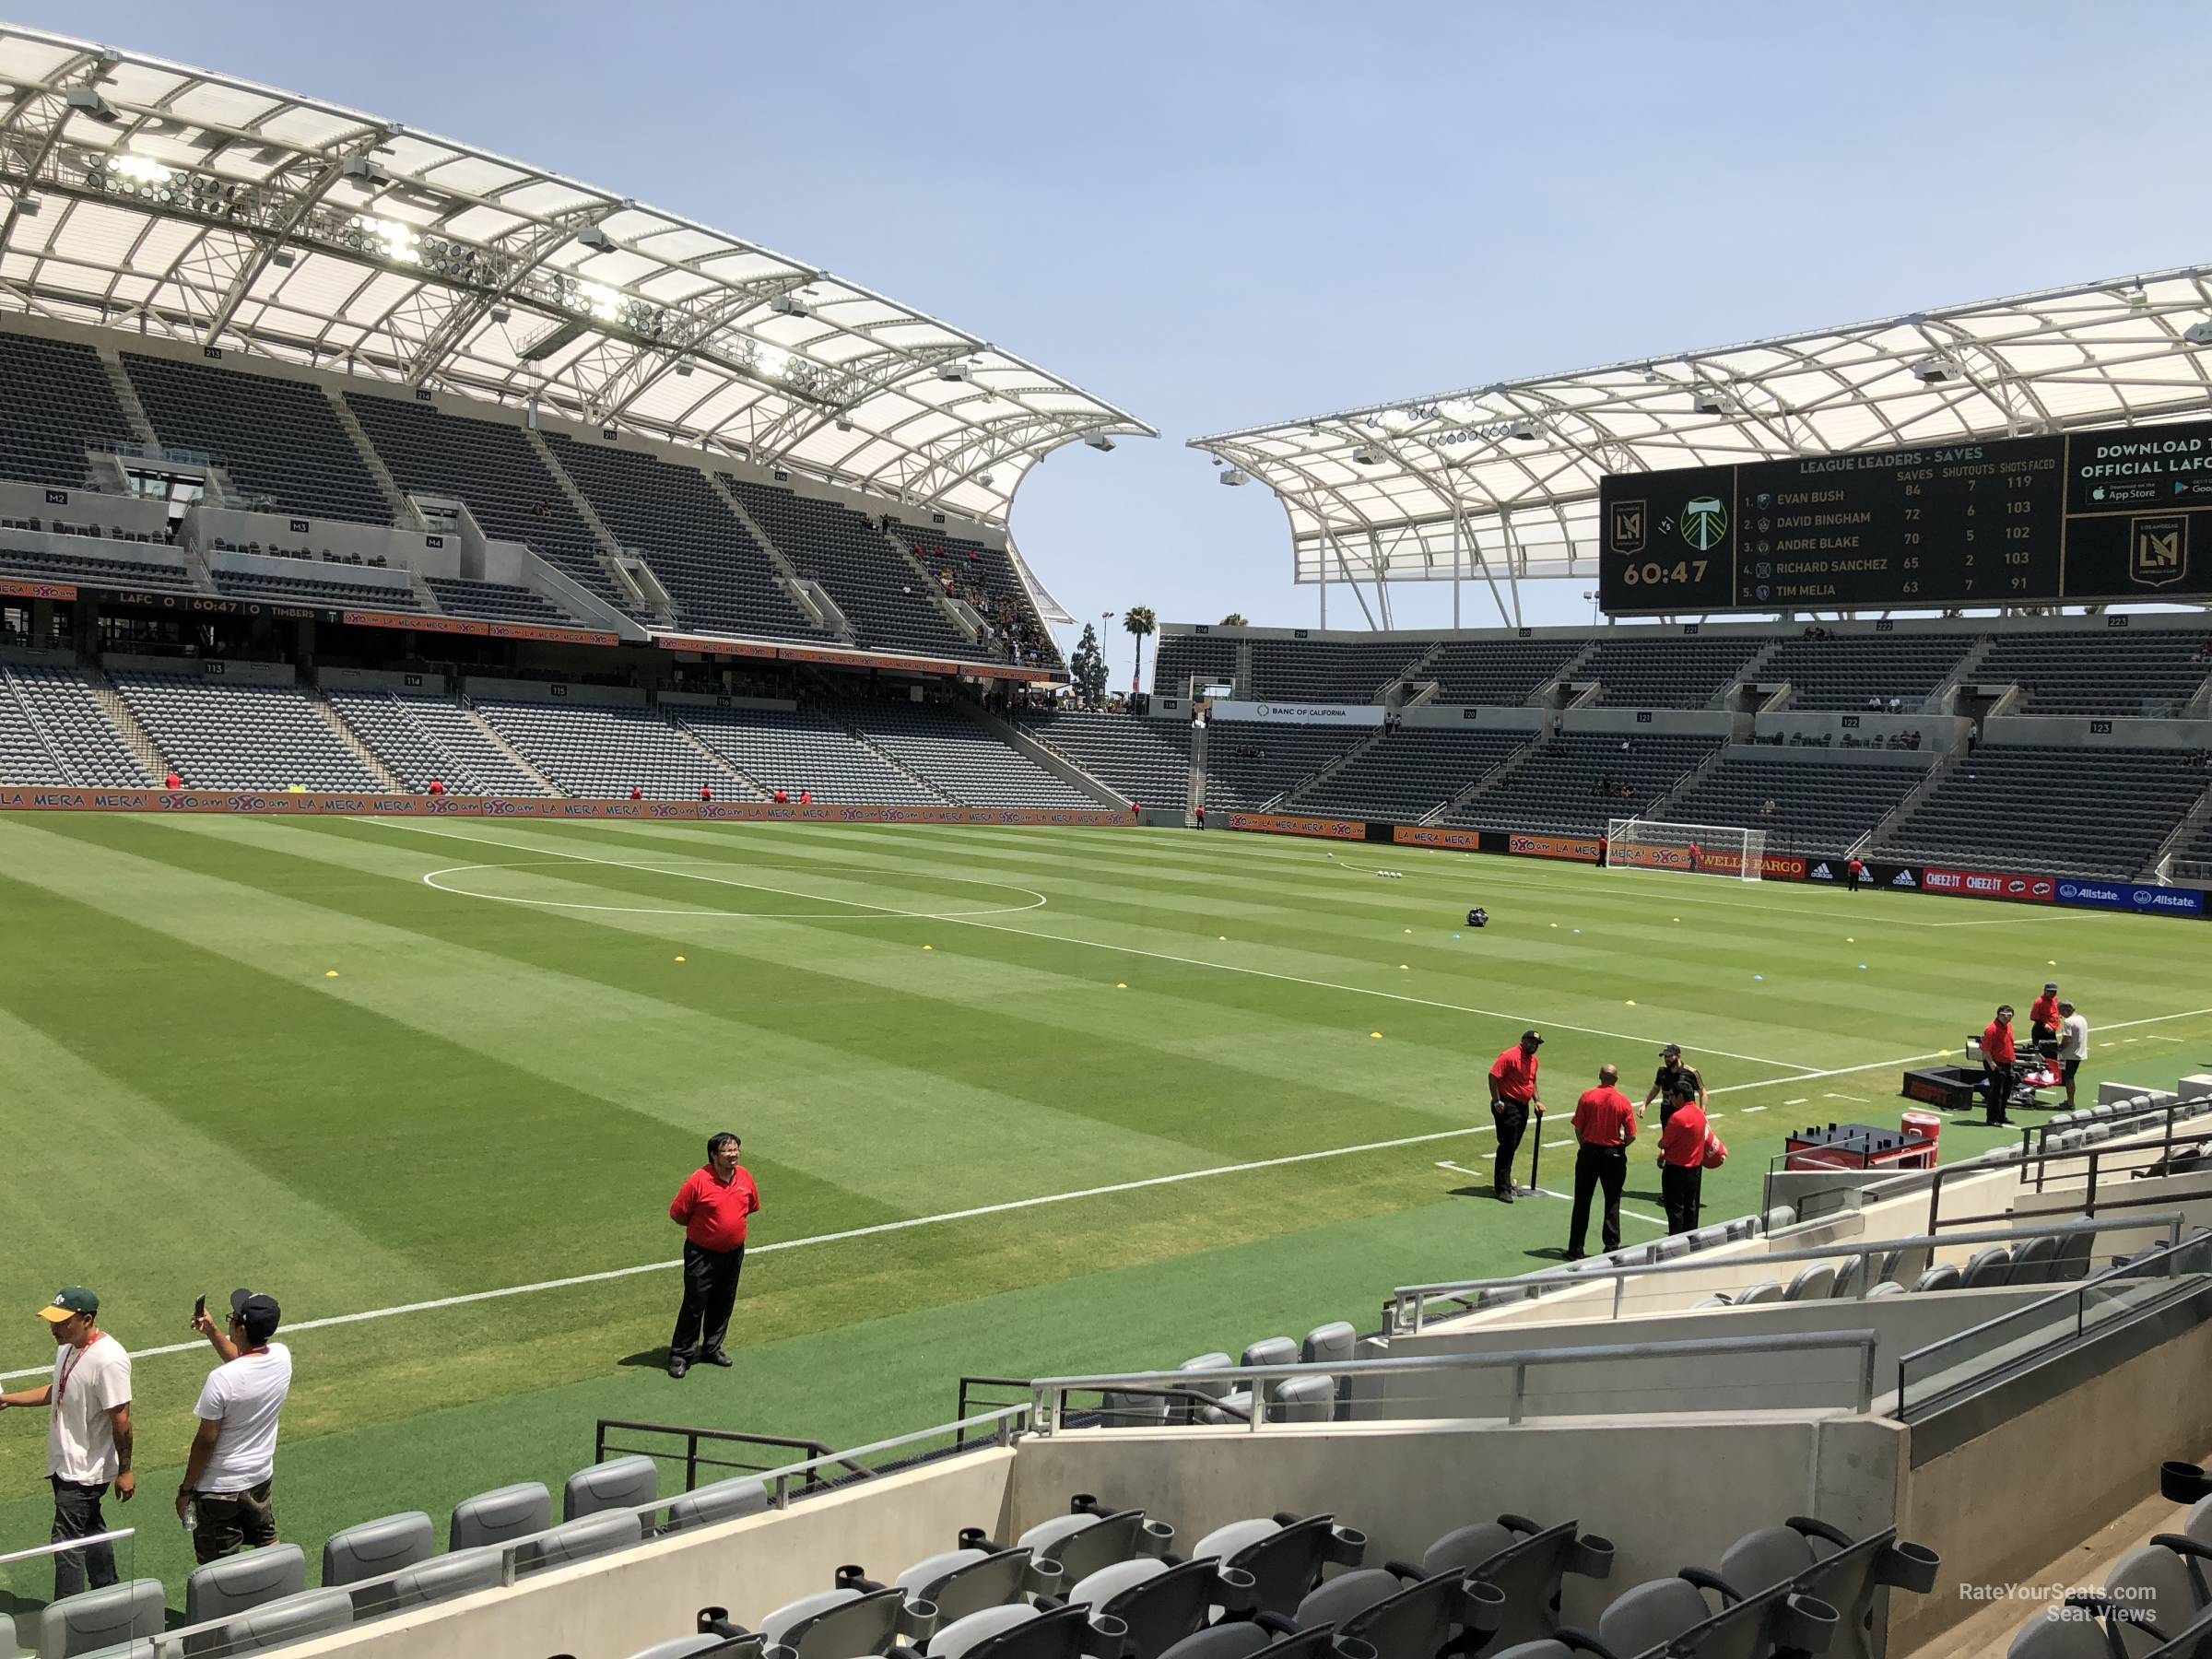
x=437, y=786
x=1604, y=1122
x=1683, y=1150
x=1997, y=1065
x=172, y=782
x=1513, y=1096
x=1673, y=1074
x=706, y=792
x=805, y=798
x=232, y=1466
x=714, y=1208
x=88, y=1436
x=636, y=793
x=1766, y=807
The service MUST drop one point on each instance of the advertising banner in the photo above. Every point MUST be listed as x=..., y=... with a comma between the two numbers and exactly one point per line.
x=1989, y=884
x=282, y=803
x=1277, y=823
x=1035, y=673
x=2146, y=898
x=1298, y=713
x=1582, y=849
x=1457, y=840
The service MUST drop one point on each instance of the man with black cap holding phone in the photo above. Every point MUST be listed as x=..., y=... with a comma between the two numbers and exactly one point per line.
x=1512, y=1096
x=228, y=1476
x=1672, y=1074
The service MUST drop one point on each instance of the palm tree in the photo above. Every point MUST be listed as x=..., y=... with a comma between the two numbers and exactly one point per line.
x=1139, y=621
x=1234, y=619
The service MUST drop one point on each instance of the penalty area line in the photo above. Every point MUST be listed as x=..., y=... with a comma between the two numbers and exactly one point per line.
x=294, y=1327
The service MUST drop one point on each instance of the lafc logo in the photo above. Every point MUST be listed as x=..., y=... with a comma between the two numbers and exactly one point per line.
x=2158, y=549
x=1704, y=523
x=1626, y=532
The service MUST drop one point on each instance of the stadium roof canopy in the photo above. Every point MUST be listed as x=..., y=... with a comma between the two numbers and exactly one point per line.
x=1500, y=482
x=145, y=194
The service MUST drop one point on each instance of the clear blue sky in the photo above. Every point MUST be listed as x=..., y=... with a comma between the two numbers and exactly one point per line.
x=1220, y=214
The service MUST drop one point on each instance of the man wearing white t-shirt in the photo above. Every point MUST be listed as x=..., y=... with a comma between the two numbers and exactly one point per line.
x=88, y=1436
x=232, y=1466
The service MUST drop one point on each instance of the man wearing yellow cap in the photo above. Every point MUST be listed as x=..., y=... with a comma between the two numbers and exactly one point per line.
x=88, y=1436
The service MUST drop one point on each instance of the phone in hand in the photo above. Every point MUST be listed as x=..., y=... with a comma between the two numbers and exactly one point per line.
x=199, y=1309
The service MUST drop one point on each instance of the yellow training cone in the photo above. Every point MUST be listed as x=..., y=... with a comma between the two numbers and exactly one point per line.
x=1375, y=1033
x=1632, y=1002
x=330, y=973
x=1122, y=985
x=679, y=958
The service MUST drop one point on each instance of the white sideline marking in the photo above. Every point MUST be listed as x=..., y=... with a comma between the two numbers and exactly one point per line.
x=1800, y=1100
x=1560, y=1143
x=1157, y=956
x=1463, y=1170
x=1568, y=1198
x=294, y=1326
x=1749, y=1110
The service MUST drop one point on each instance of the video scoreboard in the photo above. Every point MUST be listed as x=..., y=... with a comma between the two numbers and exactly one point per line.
x=2086, y=516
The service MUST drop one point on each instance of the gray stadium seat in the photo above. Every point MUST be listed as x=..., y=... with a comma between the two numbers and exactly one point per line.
x=963, y=1635
x=1090, y=1538
x=1672, y=1247
x=1812, y=1284
x=1887, y=1288
x=2199, y=1524
x=1717, y=1299
x=1989, y=1267
x=1305, y=1400
x=1285, y=1559
x=1705, y=1238
x=581, y=1539
x=836, y=1624
x=246, y=1580
x=376, y=1547
x=500, y=1516
x=1780, y=1217
x=2195, y=1254
x=2043, y=1637
x=2155, y=1580
x=967, y=1580
x=679, y=1647
x=1525, y=1563
x=1847, y=1278
x=462, y=1573
x=2072, y=1262
x=1652, y=1615
x=724, y=1500
x=1186, y=1410
x=1161, y=1605
x=1329, y=1344
x=618, y=1483
x=98, y=1618
x=2033, y=1261
x=1765, y=1290
x=1816, y=1559
x=296, y=1618
x=1942, y=1277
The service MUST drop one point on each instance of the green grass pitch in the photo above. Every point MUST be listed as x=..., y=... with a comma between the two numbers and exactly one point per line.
x=520, y=1058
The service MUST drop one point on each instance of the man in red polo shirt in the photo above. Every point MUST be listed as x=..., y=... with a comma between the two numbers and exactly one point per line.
x=2042, y=1016
x=1684, y=1145
x=1854, y=874
x=1997, y=1057
x=713, y=1209
x=1604, y=1122
x=1513, y=1095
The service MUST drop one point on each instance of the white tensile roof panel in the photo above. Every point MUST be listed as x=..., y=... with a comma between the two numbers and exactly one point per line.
x=495, y=234
x=1521, y=460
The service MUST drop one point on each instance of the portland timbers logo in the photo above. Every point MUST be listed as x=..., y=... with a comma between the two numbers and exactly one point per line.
x=1704, y=523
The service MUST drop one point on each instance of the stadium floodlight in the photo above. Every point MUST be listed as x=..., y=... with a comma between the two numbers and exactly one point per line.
x=1523, y=431
x=1364, y=456
x=790, y=305
x=772, y=360
x=683, y=368
x=845, y=426
x=365, y=168
x=953, y=368
x=500, y=315
x=594, y=236
x=1709, y=400
x=1102, y=442
x=2198, y=334
x=284, y=259
x=1460, y=411
x=1937, y=369
x=28, y=206
x=1233, y=477
x=87, y=100
x=138, y=168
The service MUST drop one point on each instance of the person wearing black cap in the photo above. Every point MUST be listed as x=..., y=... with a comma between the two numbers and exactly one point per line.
x=88, y=1436
x=1512, y=1096
x=1672, y=1074
x=232, y=1466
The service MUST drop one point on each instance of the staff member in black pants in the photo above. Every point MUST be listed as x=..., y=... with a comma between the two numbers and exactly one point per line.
x=1998, y=1056
x=1512, y=1096
x=713, y=1209
x=1604, y=1122
x=1683, y=1151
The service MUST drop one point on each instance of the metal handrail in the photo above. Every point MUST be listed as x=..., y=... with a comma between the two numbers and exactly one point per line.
x=1050, y=1393
x=1189, y=1397
x=778, y=1482
x=1418, y=1295
x=2162, y=1254
x=692, y=1437
x=2095, y=1160
x=67, y=1545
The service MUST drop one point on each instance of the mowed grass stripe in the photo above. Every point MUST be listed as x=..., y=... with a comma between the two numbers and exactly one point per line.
x=650, y=1038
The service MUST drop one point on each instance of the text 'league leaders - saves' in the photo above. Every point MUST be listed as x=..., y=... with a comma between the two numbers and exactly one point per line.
x=2090, y=515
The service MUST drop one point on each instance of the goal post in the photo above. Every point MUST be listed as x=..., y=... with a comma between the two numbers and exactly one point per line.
x=1727, y=850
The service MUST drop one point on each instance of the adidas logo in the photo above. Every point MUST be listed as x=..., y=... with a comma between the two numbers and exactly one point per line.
x=1903, y=878
x=1820, y=872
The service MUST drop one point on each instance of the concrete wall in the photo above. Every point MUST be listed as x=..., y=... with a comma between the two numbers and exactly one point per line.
x=608, y=1610
x=1650, y=1486
x=228, y=671
x=1939, y=734
x=2010, y=1501
x=46, y=503
x=492, y=688
x=386, y=577
x=378, y=679
x=1657, y=723
x=1478, y=717
x=1785, y=1377
x=2081, y=732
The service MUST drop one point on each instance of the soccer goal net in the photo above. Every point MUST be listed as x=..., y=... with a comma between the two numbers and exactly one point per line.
x=1698, y=849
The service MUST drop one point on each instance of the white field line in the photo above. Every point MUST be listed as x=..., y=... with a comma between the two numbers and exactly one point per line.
x=1569, y=1198
x=293, y=1327
x=1157, y=956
